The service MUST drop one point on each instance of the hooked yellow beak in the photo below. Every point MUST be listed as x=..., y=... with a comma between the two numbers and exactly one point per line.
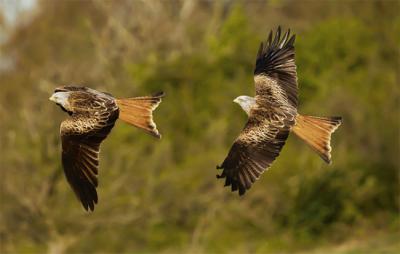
x=52, y=97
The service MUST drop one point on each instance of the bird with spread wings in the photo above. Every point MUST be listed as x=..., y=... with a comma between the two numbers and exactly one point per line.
x=92, y=116
x=272, y=115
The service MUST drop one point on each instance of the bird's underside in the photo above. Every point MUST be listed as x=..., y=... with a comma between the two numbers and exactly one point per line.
x=92, y=116
x=272, y=115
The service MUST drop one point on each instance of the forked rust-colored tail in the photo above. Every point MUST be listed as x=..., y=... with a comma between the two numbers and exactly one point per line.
x=316, y=132
x=138, y=111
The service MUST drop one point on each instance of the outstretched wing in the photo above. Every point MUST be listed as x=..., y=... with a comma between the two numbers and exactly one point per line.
x=81, y=137
x=253, y=152
x=275, y=72
x=270, y=120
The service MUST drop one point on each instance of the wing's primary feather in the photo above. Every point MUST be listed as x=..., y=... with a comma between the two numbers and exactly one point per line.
x=80, y=162
x=275, y=64
x=81, y=135
x=270, y=120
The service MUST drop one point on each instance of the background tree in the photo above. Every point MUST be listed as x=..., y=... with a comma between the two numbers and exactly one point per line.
x=162, y=196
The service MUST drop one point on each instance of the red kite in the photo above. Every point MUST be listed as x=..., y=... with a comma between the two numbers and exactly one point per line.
x=92, y=116
x=272, y=115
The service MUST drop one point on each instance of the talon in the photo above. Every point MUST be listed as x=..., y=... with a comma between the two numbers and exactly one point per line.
x=219, y=167
x=220, y=176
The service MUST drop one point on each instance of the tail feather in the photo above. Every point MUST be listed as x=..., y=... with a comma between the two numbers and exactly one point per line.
x=138, y=112
x=316, y=132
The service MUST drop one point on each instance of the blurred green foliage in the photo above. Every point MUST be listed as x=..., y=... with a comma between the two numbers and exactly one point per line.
x=162, y=196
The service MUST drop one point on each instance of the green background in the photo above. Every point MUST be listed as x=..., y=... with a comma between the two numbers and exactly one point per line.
x=162, y=195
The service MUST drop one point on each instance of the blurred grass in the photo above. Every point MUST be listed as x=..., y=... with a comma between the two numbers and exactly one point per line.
x=162, y=196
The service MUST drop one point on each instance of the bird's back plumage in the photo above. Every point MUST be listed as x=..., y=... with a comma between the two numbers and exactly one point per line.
x=94, y=115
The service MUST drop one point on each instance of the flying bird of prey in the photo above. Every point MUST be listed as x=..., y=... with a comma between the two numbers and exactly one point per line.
x=272, y=115
x=92, y=116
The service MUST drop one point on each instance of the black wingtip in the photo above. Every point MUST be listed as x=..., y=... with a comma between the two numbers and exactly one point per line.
x=277, y=37
x=222, y=175
x=278, y=40
x=234, y=186
x=269, y=40
x=275, y=51
x=227, y=182
x=88, y=208
x=278, y=31
x=291, y=40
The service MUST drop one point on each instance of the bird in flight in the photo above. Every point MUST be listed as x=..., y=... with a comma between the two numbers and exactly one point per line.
x=272, y=115
x=92, y=115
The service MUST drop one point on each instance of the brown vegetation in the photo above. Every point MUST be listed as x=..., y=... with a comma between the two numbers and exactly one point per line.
x=162, y=195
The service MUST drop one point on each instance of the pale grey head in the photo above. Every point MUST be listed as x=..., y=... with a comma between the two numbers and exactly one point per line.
x=246, y=102
x=61, y=99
